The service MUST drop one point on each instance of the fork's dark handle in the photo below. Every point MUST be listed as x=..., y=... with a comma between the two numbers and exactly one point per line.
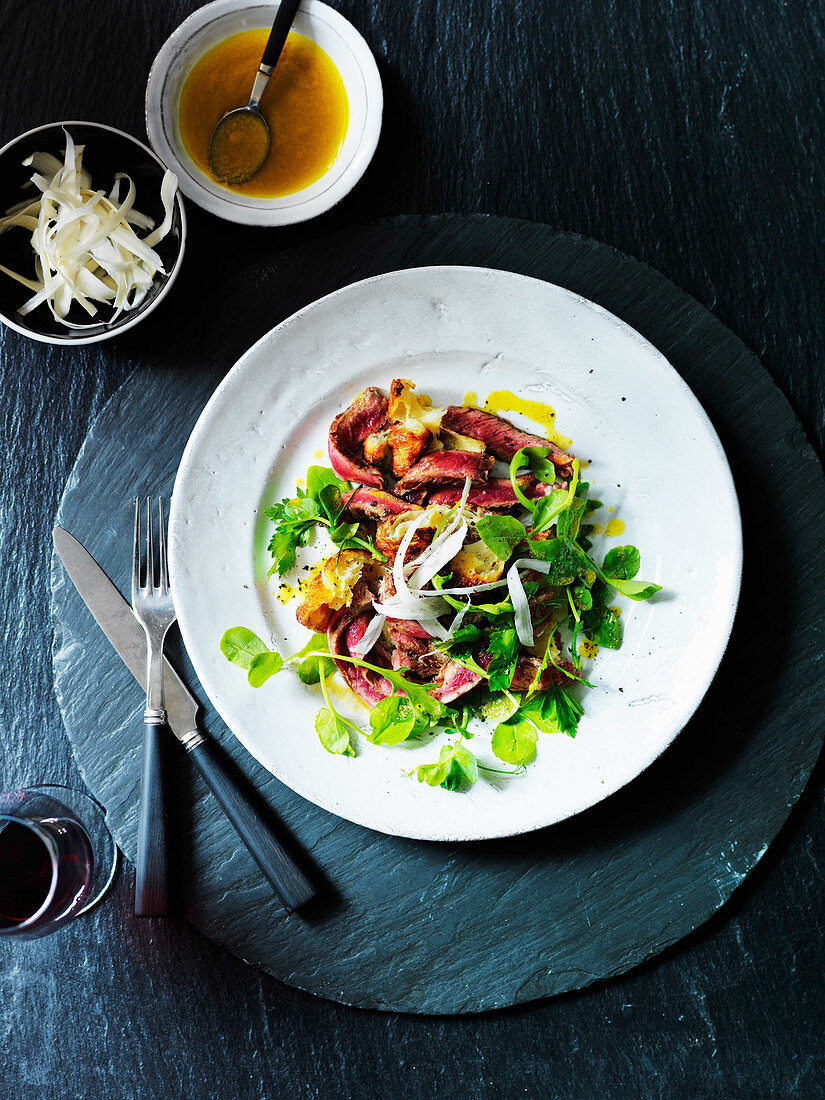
x=152, y=885
x=284, y=18
x=287, y=879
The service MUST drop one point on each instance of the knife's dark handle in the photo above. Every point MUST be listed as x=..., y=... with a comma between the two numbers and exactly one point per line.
x=287, y=879
x=152, y=885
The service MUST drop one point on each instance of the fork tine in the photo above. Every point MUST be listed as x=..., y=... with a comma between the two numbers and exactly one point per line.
x=164, y=574
x=136, y=552
x=150, y=547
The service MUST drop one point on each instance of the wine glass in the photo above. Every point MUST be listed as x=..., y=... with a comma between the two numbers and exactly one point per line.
x=57, y=858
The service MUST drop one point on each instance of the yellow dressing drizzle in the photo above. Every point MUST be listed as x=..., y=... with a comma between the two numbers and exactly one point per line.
x=507, y=401
x=318, y=453
x=286, y=592
x=588, y=649
x=614, y=527
x=470, y=399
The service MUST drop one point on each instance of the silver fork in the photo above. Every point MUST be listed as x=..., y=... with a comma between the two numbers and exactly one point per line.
x=155, y=611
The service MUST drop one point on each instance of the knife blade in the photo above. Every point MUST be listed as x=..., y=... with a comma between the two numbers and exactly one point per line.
x=115, y=618
x=117, y=621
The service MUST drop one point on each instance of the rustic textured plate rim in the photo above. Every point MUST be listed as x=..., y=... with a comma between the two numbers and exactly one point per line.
x=178, y=539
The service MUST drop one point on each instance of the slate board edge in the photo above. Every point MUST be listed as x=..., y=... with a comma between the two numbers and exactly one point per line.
x=802, y=775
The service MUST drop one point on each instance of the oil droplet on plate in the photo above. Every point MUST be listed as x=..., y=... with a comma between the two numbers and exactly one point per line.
x=614, y=527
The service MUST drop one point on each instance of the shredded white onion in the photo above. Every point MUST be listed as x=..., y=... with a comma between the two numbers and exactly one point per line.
x=459, y=617
x=426, y=606
x=371, y=636
x=85, y=248
x=398, y=570
x=523, y=619
x=438, y=557
x=521, y=608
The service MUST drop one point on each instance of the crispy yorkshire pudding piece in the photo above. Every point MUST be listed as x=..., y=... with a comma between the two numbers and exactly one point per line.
x=331, y=588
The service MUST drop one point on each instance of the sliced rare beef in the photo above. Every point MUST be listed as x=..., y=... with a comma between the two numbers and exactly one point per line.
x=349, y=430
x=345, y=631
x=376, y=504
x=496, y=494
x=442, y=469
x=501, y=437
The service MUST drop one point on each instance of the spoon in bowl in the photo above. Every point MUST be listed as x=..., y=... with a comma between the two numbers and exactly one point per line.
x=240, y=141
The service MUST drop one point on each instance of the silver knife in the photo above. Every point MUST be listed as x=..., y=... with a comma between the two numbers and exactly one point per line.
x=115, y=618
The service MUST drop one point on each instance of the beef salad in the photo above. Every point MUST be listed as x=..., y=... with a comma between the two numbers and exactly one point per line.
x=461, y=597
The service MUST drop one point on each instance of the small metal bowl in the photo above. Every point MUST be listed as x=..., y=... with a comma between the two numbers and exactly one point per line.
x=107, y=152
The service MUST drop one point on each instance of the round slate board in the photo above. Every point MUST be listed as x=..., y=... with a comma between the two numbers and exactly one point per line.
x=449, y=928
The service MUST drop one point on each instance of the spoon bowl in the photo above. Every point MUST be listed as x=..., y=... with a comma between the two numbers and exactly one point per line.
x=239, y=145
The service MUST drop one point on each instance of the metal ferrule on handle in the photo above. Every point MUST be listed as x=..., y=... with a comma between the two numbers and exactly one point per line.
x=259, y=87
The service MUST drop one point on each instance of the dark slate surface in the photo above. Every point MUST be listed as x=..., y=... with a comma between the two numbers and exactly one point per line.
x=568, y=905
x=688, y=135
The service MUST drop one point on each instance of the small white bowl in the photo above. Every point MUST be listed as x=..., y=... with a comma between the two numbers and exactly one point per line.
x=212, y=24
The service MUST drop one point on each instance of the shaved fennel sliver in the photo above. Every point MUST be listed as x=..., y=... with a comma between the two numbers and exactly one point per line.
x=521, y=608
x=86, y=249
x=371, y=636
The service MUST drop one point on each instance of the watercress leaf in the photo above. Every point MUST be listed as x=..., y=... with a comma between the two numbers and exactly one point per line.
x=263, y=666
x=540, y=465
x=333, y=733
x=514, y=740
x=318, y=643
x=312, y=668
x=240, y=646
x=321, y=478
x=635, y=590
x=435, y=774
x=567, y=558
x=501, y=534
x=463, y=769
x=455, y=767
x=393, y=720
x=518, y=462
x=622, y=563
x=608, y=631
x=343, y=532
x=569, y=520
x=582, y=597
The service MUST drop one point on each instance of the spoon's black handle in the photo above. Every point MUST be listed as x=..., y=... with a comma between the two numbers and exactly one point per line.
x=280, y=29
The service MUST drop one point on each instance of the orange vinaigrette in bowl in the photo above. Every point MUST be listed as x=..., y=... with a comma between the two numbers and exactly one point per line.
x=305, y=106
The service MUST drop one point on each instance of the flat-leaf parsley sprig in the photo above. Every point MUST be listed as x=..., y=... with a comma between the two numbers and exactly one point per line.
x=322, y=504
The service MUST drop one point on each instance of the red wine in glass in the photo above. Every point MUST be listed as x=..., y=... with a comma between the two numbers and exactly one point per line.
x=47, y=864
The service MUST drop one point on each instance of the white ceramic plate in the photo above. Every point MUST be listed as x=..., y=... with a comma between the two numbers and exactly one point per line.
x=210, y=25
x=655, y=458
